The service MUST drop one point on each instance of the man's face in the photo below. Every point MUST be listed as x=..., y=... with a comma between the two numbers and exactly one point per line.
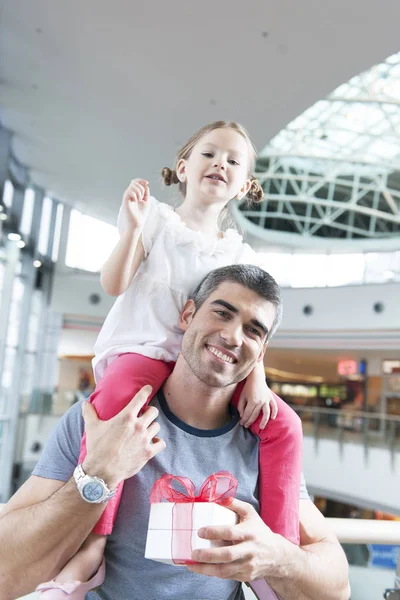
x=225, y=338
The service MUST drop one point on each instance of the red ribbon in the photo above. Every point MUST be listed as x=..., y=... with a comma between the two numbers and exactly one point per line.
x=219, y=487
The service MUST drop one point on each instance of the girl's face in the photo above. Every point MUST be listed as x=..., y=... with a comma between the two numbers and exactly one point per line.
x=217, y=168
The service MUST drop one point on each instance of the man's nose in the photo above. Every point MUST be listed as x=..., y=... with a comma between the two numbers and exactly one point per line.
x=232, y=334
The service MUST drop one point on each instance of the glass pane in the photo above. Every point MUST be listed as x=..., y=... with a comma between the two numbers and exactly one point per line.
x=309, y=270
x=15, y=312
x=32, y=333
x=279, y=265
x=345, y=269
x=8, y=192
x=330, y=127
x=90, y=242
x=57, y=232
x=9, y=361
x=1, y=276
x=27, y=212
x=382, y=267
x=27, y=380
x=45, y=226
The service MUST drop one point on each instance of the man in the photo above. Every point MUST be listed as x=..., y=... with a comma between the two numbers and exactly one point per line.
x=45, y=523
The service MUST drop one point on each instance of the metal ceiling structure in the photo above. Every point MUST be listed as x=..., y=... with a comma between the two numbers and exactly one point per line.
x=333, y=174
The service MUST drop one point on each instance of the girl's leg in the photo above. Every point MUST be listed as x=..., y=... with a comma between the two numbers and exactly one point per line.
x=280, y=460
x=121, y=381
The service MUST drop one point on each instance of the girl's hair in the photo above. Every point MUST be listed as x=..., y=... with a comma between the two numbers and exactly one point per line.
x=255, y=193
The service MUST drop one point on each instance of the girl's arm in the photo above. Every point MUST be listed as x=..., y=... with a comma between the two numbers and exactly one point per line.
x=123, y=263
x=256, y=397
x=127, y=256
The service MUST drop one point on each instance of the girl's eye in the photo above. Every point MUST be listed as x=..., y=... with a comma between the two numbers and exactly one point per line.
x=234, y=162
x=207, y=154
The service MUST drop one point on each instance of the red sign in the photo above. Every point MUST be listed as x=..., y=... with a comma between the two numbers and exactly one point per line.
x=347, y=367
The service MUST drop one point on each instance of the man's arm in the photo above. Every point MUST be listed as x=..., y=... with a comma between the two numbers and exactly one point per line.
x=41, y=528
x=46, y=521
x=317, y=569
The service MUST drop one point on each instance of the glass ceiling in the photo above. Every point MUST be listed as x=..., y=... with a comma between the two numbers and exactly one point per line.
x=358, y=122
x=334, y=172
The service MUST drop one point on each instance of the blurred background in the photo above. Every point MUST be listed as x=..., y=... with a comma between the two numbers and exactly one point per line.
x=94, y=94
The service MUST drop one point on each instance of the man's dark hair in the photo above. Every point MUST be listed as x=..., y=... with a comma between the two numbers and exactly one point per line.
x=249, y=276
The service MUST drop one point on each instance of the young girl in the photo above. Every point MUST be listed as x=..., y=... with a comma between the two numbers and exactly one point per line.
x=160, y=258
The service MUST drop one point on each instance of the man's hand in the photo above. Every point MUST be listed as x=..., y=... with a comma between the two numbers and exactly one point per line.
x=254, y=551
x=119, y=448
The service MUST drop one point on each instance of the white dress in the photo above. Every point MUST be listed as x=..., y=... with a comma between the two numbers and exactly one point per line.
x=145, y=319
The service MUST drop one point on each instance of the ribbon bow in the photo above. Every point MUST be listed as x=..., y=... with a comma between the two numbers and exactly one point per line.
x=219, y=487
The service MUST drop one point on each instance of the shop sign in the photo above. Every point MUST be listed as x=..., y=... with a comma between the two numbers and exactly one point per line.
x=347, y=367
x=384, y=557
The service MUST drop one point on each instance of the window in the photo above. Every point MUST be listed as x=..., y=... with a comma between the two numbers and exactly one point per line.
x=57, y=232
x=44, y=231
x=27, y=211
x=90, y=242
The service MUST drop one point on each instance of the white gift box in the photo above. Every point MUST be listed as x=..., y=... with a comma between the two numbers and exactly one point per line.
x=160, y=531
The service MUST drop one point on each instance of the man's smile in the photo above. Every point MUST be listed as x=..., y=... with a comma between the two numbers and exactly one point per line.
x=222, y=354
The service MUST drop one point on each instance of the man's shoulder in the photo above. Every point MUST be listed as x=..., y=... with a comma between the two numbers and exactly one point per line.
x=61, y=452
x=74, y=413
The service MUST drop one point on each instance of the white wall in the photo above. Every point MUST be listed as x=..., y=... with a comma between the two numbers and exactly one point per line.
x=350, y=474
x=77, y=342
x=342, y=317
x=72, y=290
x=342, y=308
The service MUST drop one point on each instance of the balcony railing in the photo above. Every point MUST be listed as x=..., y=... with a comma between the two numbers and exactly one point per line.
x=372, y=429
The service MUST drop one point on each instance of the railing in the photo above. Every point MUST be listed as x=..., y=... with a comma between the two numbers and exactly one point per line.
x=343, y=424
x=366, y=531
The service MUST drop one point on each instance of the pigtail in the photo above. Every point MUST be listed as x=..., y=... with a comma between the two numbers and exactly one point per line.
x=255, y=193
x=169, y=176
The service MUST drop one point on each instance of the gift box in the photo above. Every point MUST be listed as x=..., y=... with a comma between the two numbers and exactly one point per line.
x=173, y=525
x=173, y=543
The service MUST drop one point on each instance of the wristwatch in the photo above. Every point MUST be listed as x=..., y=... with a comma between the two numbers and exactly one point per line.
x=92, y=489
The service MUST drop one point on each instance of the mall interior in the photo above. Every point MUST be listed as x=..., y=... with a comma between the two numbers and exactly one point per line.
x=94, y=95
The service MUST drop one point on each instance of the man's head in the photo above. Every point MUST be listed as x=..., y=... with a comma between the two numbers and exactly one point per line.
x=228, y=322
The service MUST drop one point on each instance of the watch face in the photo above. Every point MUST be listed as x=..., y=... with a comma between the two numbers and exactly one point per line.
x=92, y=491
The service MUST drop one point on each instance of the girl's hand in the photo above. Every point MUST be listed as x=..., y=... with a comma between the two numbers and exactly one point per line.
x=135, y=202
x=256, y=397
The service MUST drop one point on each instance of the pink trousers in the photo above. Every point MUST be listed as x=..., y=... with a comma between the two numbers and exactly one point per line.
x=280, y=442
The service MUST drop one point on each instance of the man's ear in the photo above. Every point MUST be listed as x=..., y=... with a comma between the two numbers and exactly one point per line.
x=187, y=315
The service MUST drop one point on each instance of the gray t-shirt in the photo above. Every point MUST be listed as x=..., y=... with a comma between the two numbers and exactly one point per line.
x=189, y=452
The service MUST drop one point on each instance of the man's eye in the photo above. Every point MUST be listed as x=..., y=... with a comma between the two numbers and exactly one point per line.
x=254, y=331
x=222, y=313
